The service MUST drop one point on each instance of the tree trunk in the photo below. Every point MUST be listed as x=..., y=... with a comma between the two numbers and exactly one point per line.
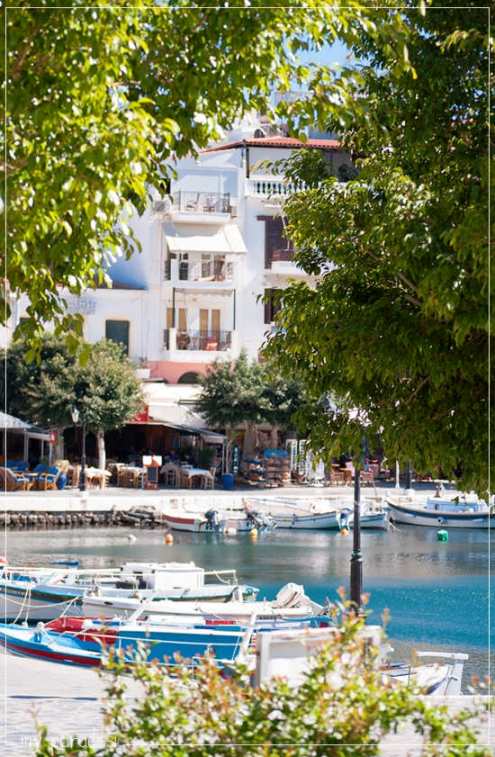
x=59, y=445
x=274, y=437
x=250, y=440
x=102, y=455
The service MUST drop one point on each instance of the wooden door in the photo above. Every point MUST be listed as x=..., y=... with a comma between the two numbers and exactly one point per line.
x=182, y=319
x=215, y=322
x=203, y=322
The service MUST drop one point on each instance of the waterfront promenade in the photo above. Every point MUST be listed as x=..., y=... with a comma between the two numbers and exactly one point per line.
x=68, y=701
x=117, y=498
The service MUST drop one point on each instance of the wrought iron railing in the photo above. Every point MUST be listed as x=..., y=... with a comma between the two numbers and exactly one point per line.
x=215, y=270
x=201, y=202
x=208, y=341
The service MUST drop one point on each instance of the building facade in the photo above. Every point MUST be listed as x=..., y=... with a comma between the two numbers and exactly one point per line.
x=212, y=249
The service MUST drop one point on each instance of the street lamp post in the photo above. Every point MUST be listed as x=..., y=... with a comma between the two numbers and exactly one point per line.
x=356, y=557
x=82, y=476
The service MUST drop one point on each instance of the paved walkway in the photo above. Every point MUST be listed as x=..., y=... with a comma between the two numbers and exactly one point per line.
x=111, y=498
x=68, y=701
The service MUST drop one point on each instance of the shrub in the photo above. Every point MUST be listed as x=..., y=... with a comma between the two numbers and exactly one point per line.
x=343, y=707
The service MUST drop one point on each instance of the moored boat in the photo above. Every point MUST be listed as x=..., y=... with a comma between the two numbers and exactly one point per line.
x=86, y=646
x=319, y=515
x=440, y=513
x=216, y=521
x=291, y=602
x=42, y=594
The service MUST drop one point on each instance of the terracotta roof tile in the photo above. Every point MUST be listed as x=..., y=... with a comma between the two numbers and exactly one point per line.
x=287, y=142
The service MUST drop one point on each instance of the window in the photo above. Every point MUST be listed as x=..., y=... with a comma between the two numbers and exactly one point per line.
x=118, y=331
x=189, y=378
x=273, y=303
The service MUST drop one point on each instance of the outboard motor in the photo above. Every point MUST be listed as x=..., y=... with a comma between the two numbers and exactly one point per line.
x=259, y=520
x=212, y=523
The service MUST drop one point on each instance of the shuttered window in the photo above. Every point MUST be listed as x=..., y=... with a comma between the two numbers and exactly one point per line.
x=118, y=331
x=272, y=304
x=276, y=244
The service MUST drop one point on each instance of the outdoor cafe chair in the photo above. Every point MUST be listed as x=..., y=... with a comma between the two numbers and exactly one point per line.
x=11, y=481
x=48, y=479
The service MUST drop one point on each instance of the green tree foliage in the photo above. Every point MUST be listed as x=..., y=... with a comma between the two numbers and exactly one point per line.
x=397, y=326
x=342, y=707
x=104, y=387
x=247, y=392
x=100, y=100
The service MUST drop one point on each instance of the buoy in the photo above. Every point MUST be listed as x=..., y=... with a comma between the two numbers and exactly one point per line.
x=131, y=539
x=230, y=531
x=168, y=539
x=442, y=535
x=344, y=532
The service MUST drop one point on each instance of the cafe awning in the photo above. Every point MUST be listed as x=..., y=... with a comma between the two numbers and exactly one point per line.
x=172, y=405
x=227, y=241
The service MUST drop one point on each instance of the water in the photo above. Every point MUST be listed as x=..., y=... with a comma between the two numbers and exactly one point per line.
x=437, y=593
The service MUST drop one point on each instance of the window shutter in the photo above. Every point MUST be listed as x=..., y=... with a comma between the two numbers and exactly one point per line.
x=275, y=240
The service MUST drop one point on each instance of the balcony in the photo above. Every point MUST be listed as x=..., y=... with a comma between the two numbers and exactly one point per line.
x=198, y=341
x=204, y=207
x=271, y=187
x=282, y=263
x=214, y=273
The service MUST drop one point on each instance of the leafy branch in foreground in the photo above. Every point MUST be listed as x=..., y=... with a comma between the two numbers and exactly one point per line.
x=342, y=705
x=397, y=325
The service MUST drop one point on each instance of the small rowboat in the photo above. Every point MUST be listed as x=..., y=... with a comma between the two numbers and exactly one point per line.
x=85, y=647
x=291, y=602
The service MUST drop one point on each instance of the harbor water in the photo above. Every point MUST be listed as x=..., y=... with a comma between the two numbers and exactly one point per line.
x=436, y=593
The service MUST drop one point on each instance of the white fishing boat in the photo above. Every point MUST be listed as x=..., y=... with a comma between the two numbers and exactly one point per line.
x=291, y=602
x=317, y=514
x=288, y=653
x=43, y=594
x=458, y=512
x=216, y=521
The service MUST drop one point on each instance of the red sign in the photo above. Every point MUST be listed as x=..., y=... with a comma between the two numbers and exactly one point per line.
x=142, y=417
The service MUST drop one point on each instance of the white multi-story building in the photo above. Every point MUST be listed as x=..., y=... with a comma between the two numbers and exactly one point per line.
x=211, y=249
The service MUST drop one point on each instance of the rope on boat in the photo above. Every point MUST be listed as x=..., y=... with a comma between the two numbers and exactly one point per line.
x=222, y=580
x=23, y=603
x=45, y=604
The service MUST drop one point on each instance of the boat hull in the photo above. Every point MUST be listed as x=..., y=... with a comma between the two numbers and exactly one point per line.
x=161, y=645
x=415, y=516
x=22, y=604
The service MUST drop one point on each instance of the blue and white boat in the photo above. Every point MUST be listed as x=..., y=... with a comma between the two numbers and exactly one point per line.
x=458, y=512
x=86, y=647
x=43, y=594
x=84, y=642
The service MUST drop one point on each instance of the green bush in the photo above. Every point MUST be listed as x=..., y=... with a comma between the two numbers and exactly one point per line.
x=344, y=707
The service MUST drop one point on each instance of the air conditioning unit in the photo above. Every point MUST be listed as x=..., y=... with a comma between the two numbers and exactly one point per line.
x=162, y=207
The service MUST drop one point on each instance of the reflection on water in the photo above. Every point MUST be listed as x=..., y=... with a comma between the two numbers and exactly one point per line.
x=437, y=593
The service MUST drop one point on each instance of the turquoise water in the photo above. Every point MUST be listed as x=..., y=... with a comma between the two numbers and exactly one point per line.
x=436, y=593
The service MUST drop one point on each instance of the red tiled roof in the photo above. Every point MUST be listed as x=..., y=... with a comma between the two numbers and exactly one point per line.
x=287, y=142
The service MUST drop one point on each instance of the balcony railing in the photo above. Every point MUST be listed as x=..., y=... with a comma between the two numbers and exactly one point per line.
x=205, y=341
x=272, y=187
x=215, y=270
x=201, y=202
